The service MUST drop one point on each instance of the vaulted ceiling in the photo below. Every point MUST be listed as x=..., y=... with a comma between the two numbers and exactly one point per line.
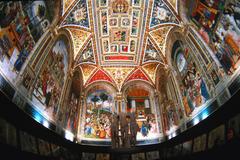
x=119, y=40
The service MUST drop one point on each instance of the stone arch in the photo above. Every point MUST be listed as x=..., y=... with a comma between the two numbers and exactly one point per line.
x=78, y=71
x=101, y=85
x=140, y=98
x=64, y=32
x=161, y=73
x=176, y=33
x=182, y=11
x=53, y=68
x=96, y=112
x=140, y=86
x=72, y=101
x=197, y=84
x=174, y=80
x=139, y=83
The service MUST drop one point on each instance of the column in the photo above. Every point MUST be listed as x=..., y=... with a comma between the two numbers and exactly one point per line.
x=115, y=107
x=180, y=102
x=80, y=117
x=133, y=105
x=158, y=111
x=83, y=118
x=63, y=100
x=121, y=106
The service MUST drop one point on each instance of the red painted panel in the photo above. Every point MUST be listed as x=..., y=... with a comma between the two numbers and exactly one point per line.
x=100, y=75
x=138, y=74
x=118, y=58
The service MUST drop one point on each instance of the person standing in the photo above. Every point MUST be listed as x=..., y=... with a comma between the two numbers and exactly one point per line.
x=127, y=132
x=115, y=131
x=134, y=128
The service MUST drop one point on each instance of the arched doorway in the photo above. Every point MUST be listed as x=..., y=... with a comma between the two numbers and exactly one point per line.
x=190, y=78
x=141, y=100
x=97, y=112
x=50, y=82
x=70, y=110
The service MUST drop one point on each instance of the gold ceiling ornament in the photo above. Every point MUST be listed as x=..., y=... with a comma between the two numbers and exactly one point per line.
x=120, y=6
x=151, y=69
x=66, y=5
x=79, y=39
x=119, y=28
x=185, y=27
x=71, y=72
x=160, y=37
x=87, y=71
x=173, y=4
x=169, y=103
x=118, y=74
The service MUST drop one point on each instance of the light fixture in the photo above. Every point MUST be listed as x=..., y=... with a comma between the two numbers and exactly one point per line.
x=174, y=134
x=37, y=117
x=69, y=135
x=205, y=114
x=46, y=124
x=196, y=121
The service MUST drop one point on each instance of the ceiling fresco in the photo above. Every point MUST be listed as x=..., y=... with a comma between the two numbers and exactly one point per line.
x=138, y=74
x=151, y=54
x=159, y=36
x=162, y=14
x=78, y=15
x=121, y=40
x=87, y=54
x=87, y=71
x=150, y=69
x=119, y=74
x=119, y=28
x=79, y=38
x=66, y=5
x=173, y=3
x=99, y=75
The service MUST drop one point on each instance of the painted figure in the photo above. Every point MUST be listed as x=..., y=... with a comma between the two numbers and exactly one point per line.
x=98, y=115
